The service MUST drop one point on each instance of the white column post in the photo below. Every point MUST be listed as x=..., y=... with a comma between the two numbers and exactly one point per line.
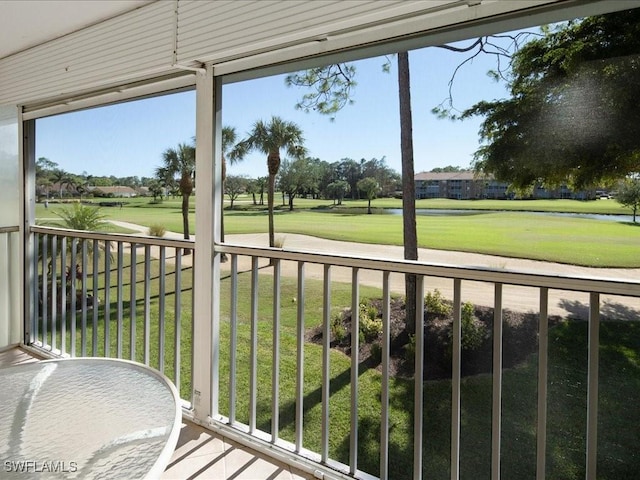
x=27, y=191
x=206, y=264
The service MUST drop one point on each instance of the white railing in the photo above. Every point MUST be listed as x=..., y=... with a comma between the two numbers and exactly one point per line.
x=324, y=264
x=9, y=284
x=270, y=299
x=112, y=295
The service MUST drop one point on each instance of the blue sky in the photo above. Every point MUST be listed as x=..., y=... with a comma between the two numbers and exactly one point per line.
x=128, y=139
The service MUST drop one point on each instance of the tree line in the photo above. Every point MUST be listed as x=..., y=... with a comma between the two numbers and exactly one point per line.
x=53, y=181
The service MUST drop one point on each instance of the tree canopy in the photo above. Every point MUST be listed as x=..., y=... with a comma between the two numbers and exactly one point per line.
x=573, y=116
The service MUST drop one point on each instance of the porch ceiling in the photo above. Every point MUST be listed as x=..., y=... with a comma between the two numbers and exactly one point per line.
x=26, y=24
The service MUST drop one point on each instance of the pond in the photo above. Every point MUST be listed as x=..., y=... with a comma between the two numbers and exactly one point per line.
x=460, y=213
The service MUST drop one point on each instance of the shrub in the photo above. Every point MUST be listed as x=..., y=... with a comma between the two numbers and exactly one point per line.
x=338, y=330
x=157, y=230
x=376, y=353
x=410, y=350
x=81, y=217
x=473, y=331
x=370, y=324
x=435, y=303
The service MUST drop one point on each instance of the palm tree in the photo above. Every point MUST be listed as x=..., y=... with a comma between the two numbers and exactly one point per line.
x=269, y=138
x=370, y=187
x=229, y=137
x=180, y=162
x=62, y=179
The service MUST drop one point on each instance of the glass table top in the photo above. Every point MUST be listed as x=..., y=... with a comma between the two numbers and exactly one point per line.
x=86, y=418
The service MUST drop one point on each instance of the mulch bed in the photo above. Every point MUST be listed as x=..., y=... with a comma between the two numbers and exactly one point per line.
x=519, y=341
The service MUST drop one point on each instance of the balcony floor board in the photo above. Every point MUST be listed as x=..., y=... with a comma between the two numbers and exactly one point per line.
x=203, y=454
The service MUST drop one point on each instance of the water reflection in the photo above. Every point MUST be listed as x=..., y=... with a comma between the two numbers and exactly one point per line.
x=436, y=212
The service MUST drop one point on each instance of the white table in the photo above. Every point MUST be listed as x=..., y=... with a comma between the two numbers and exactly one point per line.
x=86, y=418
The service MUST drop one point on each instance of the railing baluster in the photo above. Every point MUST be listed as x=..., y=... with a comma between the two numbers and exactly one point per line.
x=54, y=290
x=384, y=395
x=543, y=366
x=275, y=370
x=233, y=341
x=300, y=358
x=73, y=271
x=326, y=371
x=147, y=302
x=35, y=286
x=418, y=380
x=177, y=317
x=45, y=291
x=253, y=348
x=496, y=424
x=592, y=391
x=355, y=354
x=119, y=288
x=456, y=362
x=107, y=298
x=85, y=261
x=133, y=283
x=63, y=295
x=161, y=307
x=94, y=276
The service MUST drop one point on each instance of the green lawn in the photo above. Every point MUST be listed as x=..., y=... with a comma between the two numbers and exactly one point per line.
x=618, y=443
x=577, y=241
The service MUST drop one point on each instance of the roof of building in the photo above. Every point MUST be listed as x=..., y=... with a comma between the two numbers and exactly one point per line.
x=441, y=176
x=114, y=190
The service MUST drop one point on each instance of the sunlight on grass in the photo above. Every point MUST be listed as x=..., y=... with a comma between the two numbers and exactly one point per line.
x=619, y=383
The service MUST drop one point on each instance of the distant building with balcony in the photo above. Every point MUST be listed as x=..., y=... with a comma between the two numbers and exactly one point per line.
x=466, y=185
x=458, y=185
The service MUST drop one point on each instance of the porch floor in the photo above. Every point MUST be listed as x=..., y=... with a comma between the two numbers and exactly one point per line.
x=200, y=453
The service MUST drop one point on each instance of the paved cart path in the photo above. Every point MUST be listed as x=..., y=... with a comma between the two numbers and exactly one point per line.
x=480, y=293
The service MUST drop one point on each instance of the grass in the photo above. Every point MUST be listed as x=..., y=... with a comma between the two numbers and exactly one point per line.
x=618, y=439
x=576, y=241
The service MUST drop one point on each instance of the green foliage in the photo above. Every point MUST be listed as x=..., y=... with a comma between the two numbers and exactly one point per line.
x=337, y=190
x=410, y=350
x=234, y=186
x=157, y=230
x=370, y=324
x=376, y=353
x=370, y=187
x=573, y=114
x=82, y=217
x=629, y=195
x=181, y=163
x=435, y=303
x=473, y=331
x=338, y=330
x=155, y=189
x=330, y=87
x=298, y=177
